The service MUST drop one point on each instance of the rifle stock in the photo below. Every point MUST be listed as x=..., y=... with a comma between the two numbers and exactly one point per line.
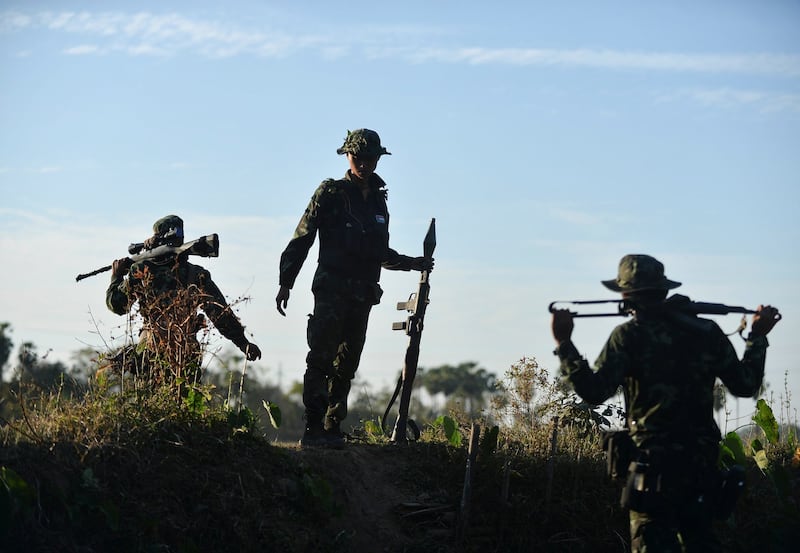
x=413, y=325
x=205, y=246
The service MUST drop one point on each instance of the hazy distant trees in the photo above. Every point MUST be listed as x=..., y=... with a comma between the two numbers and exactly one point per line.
x=34, y=369
x=32, y=373
x=5, y=346
x=465, y=383
x=464, y=388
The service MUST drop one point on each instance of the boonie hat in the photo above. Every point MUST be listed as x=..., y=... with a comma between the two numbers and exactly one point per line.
x=640, y=272
x=364, y=142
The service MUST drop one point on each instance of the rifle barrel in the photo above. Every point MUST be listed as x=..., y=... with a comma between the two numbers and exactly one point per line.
x=95, y=272
x=624, y=309
x=621, y=308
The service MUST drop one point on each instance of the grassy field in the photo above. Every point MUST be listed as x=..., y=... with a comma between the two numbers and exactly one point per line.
x=141, y=472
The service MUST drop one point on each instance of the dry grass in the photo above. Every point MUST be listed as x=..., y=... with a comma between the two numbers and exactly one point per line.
x=139, y=472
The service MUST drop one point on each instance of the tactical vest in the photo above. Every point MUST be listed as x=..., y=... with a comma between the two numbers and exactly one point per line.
x=353, y=232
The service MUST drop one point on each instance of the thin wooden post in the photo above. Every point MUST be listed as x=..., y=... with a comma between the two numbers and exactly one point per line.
x=472, y=454
x=551, y=466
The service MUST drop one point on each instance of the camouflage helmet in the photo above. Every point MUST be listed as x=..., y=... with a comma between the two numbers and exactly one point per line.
x=170, y=227
x=362, y=142
x=640, y=272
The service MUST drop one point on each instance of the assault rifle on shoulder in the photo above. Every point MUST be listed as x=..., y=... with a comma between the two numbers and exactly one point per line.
x=677, y=302
x=205, y=246
x=677, y=308
x=416, y=305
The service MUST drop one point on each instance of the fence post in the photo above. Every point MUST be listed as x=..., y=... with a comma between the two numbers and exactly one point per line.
x=551, y=466
x=472, y=454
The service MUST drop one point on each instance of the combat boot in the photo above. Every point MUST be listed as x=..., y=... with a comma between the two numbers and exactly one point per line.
x=333, y=433
x=314, y=435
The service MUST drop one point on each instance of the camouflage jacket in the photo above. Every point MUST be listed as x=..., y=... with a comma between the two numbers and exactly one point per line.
x=156, y=284
x=667, y=370
x=353, y=235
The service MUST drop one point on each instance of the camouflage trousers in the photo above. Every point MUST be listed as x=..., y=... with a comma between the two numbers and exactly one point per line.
x=336, y=334
x=676, y=532
x=681, y=504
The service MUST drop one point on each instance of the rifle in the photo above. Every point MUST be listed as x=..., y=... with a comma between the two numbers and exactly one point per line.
x=205, y=246
x=680, y=303
x=679, y=309
x=416, y=305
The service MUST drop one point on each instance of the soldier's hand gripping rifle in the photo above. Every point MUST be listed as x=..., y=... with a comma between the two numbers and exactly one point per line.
x=416, y=305
x=205, y=246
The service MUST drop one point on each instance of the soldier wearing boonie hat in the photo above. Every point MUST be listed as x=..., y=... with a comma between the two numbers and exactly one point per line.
x=352, y=219
x=170, y=324
x=667, y=363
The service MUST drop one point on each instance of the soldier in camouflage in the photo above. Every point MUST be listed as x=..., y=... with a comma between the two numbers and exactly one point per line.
x=667, y=364
x=169, y=291
x=352, y=219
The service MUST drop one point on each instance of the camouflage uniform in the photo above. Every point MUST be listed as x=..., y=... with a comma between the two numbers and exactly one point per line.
x=667, y=366
x=353, y=247
x=169, y=291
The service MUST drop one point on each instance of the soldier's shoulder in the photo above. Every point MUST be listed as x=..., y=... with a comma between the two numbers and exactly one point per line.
x=626, y=333
x=627, y=328
x=332, y=185
x=328, y=188
x=195, y=271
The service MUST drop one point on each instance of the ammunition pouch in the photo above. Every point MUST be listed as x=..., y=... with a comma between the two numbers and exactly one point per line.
x=620, y=452
x=643, y=491
x=657, y=483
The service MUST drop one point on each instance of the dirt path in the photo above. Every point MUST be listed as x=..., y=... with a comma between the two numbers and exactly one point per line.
x=385, y=506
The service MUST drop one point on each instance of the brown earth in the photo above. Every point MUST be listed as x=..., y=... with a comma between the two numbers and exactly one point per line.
x=197, y=489
x=385, y=498
x=199, y=492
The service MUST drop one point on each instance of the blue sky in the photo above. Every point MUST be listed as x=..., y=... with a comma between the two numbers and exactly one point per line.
x=548, y=140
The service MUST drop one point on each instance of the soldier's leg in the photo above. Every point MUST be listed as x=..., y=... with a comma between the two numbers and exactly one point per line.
x=324, y=336
x=193, y=360
x=346, y=363
x=696, y=528
x=651, y=534
x=703, y=480
x=699, y=538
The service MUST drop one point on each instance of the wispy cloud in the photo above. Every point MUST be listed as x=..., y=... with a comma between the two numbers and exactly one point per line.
x=10, y=21
x=726, y=98
x=575, y=217
x=81, y=50
x=46, y=170
x=780, y=64
x=153, y=34
x=158, y=34
x=43, y=170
